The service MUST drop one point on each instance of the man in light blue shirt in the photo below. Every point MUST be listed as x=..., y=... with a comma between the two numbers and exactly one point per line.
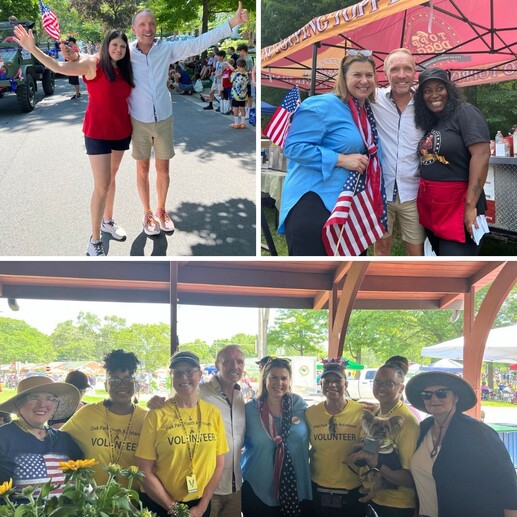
x=395, y=116
x=150, y=105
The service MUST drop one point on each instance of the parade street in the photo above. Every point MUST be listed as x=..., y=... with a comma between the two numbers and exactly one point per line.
x=46, y=183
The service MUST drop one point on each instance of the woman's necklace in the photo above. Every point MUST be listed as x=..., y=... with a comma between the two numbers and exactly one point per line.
x=438, y=442
x=115, y=457
x=39, y=435
x=392, y=410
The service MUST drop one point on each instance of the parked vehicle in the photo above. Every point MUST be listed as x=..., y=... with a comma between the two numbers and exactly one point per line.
x=360, y=387
x=20, y=70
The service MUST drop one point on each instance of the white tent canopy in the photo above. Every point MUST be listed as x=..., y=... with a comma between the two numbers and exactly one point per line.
x=501, y=347
x=444, y=365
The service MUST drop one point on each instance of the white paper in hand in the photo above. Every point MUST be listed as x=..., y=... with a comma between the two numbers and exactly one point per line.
x=477, y=233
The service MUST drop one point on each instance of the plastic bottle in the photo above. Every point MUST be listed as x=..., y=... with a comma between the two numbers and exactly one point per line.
x=499, y=137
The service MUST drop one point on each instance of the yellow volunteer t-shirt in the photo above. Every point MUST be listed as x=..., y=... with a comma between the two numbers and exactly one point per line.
x=401, y=497
x=328, y=451
x=106, y=437
x=165, y=442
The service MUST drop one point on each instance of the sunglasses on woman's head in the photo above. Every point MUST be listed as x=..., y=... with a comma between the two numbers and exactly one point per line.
x=360, y=52
x=279, y=360
x=440, y=394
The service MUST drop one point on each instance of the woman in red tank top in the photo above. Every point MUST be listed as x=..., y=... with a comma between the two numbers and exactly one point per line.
x=107, y=126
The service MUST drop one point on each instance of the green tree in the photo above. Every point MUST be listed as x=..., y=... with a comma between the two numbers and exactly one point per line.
x=245, y=341
x=110, y=335
x=173, y=15
x=110, y=13
x=497, y=102
x=22, y=9
x=298, y=332
x=201, y=349
x=377, y=335
x=21, y=342
x=71, y=343
x=150, y=343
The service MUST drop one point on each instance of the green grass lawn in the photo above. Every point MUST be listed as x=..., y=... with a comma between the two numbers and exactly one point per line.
x=493, y=245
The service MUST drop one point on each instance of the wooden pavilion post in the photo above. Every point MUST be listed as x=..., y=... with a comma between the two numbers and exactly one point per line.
x=173, y=303
x=341, y=303
x=476, y=329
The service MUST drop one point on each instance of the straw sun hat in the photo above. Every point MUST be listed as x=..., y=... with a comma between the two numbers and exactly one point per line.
x=67, y=394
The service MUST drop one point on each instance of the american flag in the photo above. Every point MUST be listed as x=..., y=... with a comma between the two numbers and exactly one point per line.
x=352, y=225
x=277, y=127
x=37, y=469
x=50, y=21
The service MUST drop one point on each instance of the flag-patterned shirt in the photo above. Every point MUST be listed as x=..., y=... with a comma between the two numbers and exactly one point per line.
x=29, y=461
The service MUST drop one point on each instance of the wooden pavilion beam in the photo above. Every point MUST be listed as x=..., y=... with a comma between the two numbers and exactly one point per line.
x=340, y=307
x=476, y=329
x=478, y=277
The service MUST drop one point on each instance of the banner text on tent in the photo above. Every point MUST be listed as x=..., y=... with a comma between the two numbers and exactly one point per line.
x=332, y=20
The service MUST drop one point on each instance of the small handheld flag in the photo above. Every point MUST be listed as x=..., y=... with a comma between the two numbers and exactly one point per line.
x=278, y=126
x=353, y=224
x=50, y=21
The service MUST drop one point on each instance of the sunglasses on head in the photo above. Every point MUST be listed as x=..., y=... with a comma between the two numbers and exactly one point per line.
x=279, y=360
x=361, y=52
x=440, y=394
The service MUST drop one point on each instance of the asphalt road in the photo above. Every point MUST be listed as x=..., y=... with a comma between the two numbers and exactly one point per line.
x=46, y=183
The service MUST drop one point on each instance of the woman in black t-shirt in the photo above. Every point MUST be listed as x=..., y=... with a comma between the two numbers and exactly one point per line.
x=454, y=156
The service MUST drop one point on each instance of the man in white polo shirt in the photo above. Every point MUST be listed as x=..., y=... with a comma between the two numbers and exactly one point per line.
x=395, y=116
x=151, y=109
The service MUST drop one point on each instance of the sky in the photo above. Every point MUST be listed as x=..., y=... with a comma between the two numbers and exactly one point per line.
x=194, y=321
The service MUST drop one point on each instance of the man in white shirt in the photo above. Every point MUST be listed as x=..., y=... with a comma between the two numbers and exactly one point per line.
x=223, y=391
x=151, y=109
x=395, y=116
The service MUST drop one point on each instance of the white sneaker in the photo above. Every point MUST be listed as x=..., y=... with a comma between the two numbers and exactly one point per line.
x=164, y=220
x=116, y=231
x=95, y=249
x=151, y=225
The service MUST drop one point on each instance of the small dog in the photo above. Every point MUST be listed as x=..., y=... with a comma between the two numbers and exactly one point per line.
x=379, y=438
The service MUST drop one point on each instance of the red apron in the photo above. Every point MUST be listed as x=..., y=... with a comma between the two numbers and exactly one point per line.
x=441, y=208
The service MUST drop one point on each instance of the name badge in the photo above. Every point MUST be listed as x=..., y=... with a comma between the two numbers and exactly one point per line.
x=191, y=484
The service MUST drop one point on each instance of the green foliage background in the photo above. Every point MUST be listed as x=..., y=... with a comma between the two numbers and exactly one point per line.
x=372, y=336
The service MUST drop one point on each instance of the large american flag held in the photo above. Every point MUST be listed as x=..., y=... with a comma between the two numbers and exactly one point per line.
x=353, y=224
x=276, y=130
x=37, y=469
x=50, y=21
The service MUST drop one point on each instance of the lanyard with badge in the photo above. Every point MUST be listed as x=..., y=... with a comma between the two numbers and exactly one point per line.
x=190, y=480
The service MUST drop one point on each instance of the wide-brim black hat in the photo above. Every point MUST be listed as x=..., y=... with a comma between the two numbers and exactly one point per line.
x=461, y=388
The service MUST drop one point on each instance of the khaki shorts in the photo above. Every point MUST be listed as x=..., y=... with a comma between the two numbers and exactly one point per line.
x=226, y=505
x=410, y=229
x=152, y=134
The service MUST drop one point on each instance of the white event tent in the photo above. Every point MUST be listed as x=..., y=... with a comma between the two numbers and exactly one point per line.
x=501, y=347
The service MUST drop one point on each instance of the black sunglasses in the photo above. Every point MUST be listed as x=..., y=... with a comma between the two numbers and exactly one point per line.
x=332, y=426
x=440, y=394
